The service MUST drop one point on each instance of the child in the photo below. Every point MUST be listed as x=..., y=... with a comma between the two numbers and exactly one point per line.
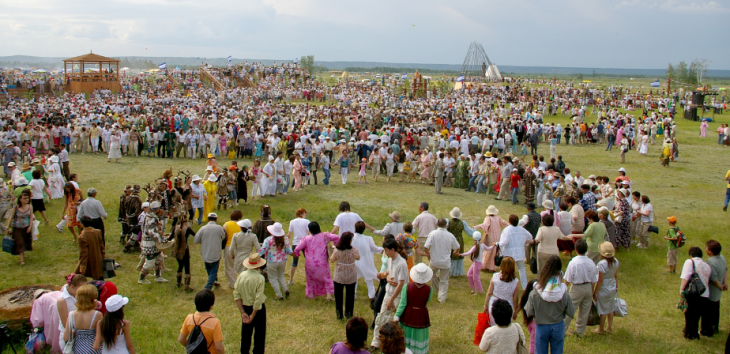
x=475, y=283
x=529, y=321
x=113, y=329
x=515, y=181
x=523, y=149
x=254, y=177
x=672, y=244
x=363, y=173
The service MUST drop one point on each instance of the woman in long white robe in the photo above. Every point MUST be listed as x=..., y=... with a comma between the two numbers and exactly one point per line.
x=55, y=180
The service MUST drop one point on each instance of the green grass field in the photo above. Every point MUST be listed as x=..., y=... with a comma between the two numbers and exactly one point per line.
x=691, y=189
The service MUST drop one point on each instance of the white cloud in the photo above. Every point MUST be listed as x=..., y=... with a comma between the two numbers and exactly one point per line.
x=677, y=6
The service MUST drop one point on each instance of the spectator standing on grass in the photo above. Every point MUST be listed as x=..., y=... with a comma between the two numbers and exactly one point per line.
x=92, y=208
x=440, y=245
x=606, y=287
x=345, y=280
x=550, y=303
x=718, y=284
x=112, y=332
x=250, y=298
x=697, y=305
x=209, y=325
x=211, y=238
x=581, y=275
x=503, y=336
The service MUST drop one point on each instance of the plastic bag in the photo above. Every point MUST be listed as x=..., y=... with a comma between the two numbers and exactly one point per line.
x=482, y=325
x=36, y=342
x=620, y=309
x=34, y=230
x=593, y=317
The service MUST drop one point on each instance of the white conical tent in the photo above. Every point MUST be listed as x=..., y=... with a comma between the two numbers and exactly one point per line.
x=493, y=73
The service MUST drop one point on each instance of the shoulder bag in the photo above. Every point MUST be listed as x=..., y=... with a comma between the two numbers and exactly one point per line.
x=695, y=287
x=620, y=309
x=69, y=347
x=498, y=257
x=521, y=348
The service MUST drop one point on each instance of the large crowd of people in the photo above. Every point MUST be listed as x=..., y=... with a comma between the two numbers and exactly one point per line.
x=293, y=127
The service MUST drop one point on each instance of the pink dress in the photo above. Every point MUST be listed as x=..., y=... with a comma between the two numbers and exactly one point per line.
x=319, y=280
x=297, y=172
x=223, y=143
x=492, y=227
x=363, y=167
x=426, y=164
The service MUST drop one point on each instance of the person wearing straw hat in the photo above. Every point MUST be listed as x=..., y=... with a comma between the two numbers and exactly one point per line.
x=394, y=227
x=492, y=228
x=275, y=249
x=412, y=312
x=605, y=290
x=250, y=298
x=456, y=227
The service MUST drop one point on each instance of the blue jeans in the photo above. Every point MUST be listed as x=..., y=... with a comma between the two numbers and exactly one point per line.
x=472, y=182
x=326, y=179
x=232, y=196
x=727, y=197
x=285, y=180
x=514, y=194
x=552, y=335
x=610, y=144
x=557, y=136
x=200, y=215
x=480, y=183
x=212, y=270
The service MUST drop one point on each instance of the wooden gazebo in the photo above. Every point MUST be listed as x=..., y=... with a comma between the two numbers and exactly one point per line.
x=107, y=76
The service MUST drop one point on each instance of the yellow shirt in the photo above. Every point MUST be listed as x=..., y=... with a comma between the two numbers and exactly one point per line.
x=727, y=175
x=231, y=228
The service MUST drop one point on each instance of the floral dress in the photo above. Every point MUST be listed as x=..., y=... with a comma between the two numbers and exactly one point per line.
x=72, y=208
x=623, y=228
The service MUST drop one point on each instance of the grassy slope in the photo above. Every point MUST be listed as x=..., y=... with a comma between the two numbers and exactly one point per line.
x=691, y=189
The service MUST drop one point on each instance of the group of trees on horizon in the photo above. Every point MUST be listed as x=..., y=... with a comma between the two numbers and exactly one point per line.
x=691, y=74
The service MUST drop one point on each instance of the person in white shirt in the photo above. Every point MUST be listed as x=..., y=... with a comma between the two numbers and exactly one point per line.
x=646, y=213
x=439, y=245
x=345, y=221
x=397, y=277
x=581, y=275
x=696, y=305
x=298, y=229
x=512, y=243
x=365, y=266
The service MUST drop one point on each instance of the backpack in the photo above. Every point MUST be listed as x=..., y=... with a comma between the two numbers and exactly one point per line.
x=681, y=238
x=197, y=344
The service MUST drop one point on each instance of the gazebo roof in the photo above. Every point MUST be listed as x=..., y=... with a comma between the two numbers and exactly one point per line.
x=91, y=57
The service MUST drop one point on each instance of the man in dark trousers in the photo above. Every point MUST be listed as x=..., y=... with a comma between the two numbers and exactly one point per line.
x=249, y=296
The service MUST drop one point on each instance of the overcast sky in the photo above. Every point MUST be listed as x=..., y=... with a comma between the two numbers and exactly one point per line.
x=571, y=33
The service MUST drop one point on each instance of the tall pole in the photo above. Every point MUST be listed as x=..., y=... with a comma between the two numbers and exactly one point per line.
x=669, y=85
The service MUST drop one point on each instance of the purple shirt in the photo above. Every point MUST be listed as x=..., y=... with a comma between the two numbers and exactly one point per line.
x=340, y=348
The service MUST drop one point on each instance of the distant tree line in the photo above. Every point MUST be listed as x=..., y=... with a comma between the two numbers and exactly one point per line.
x=134, y=63
x=691, y=74
x=19, y=64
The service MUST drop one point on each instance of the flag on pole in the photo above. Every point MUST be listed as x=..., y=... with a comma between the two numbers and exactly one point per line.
x=229, y=58
x=163, y=66
x=296, y=60
x=405, y=76
x=460, y=78
x=655, y=84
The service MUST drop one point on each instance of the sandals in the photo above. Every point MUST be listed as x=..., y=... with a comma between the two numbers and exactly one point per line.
x=599, y=332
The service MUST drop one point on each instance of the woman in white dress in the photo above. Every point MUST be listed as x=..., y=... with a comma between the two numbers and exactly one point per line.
x=114, y=147
x=55, y=180
x=644, y=145
x=503, y=286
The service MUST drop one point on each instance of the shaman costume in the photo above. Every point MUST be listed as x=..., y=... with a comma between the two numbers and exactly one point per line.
x=529, y=179
x=132, y=210
x=152, y=233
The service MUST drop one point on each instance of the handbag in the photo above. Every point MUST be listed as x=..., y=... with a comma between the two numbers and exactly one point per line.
x=482, y=324
x=619, y=307
x=8, y=244
x=695, y=287
x=69, y=347
x=498, y=257
x=653, y=229
x=108, y=267
x=521, y=348
x=593, y=317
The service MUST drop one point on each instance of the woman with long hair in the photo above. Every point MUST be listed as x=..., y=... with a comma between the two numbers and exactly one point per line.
x=275, y=249
x=549, y=303
x=181, y=251
x=72, y=197
x=503, y=286
x=113, y=330
x=345, y=277
x=21, y=221
x=529, y=321
x=392, y=339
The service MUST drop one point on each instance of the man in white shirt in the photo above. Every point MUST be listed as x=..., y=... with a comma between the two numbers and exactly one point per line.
x=425, y=222
x=345, y=221
x=440, y=244
x=449, y=163
x=512, y=243
x=581, y=275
